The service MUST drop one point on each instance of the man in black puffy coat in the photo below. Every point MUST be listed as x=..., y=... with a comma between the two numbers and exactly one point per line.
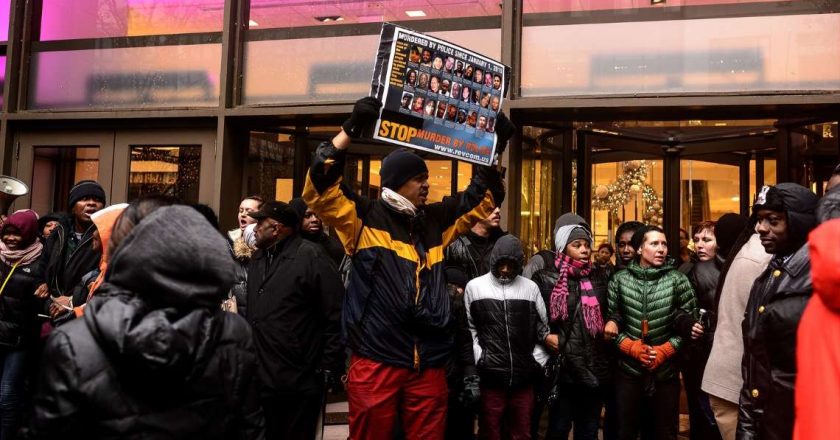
x=507, y=319
x=154, y=356
x=785, y=215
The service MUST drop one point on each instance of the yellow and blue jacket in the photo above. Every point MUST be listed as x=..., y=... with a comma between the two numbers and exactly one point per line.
x=396, y=309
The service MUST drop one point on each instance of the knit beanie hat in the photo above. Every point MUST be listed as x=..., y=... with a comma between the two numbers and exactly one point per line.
x=727, y=229
x=84, y=189
x=299, y=206
x=568, y=228
x=456, y=276
x=639, y=235
x=399, y=167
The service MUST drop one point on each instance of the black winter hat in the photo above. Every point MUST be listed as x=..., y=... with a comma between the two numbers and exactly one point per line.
x=727, y=229
x=639, y=235
x=84, y=189
x=456, y=276
x=798, y=202
x=299, y=206
x=399, y=167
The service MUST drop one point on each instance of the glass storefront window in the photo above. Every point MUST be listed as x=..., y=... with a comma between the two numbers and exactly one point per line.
x=640, y=181
x=67, y=20
x=153, y=76
x=270, y=168
x=56, y=170
x=300, y=53
x=166, y=170
x=737, y=54
x=708, y=191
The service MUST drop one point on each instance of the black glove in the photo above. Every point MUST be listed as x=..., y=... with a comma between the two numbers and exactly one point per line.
x=365, y=113
x=504, y=131
x=471, y=394
x=332, y=381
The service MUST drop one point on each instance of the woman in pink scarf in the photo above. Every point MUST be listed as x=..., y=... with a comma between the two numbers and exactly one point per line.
x=577, y=303
x=19, y=253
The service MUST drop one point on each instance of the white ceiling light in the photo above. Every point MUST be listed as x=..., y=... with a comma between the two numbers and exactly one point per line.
x=417, y=13
x=252, y=23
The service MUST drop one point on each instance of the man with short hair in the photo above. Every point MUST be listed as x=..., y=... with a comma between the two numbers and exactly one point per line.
x=785, y=215
x=396, y=316
x=69, y=253
x=294, y=311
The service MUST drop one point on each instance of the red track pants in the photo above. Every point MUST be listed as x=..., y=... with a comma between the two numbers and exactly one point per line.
x=379, y=395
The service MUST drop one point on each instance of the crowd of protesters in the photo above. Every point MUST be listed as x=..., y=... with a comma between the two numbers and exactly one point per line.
x=143, y=320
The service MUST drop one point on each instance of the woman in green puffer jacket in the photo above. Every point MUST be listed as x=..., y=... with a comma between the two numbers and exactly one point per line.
x=647, y=295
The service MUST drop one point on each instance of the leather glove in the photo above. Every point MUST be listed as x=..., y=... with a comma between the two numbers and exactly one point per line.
x=636, y=349
x=471, y=394
x=504, y=131
x=365, y=113
x=332, y=381
x=663, y=353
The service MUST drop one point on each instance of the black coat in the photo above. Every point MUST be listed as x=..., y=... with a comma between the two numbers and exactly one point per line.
x=777, y=301
x=18, y=306
x=471, y=253
x=64, y=272
x=294, y=308
x=331, y=246
x=154, y=356
x=587, y=357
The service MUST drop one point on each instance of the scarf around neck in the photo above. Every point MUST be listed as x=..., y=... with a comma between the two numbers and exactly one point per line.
x=397, y=202
x=559, y=307
x=21, y=256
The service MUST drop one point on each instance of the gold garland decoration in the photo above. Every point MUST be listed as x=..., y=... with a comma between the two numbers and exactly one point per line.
x=632, y=182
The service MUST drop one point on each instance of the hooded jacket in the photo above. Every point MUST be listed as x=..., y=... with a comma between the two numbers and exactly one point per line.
x=154, y=356
x=654, y=294
x=818, y=342
x=396, y=310
x=507, y=322
x=777, y=301
x=18, y=305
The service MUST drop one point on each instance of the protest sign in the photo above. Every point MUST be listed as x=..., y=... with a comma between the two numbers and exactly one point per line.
x=437, y=96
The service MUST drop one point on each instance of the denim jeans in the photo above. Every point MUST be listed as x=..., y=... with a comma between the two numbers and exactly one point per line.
x=12, y=390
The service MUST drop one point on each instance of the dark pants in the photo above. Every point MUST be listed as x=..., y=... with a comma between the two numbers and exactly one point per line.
x=12, y=391
x=664, y=407
x=460, y=420
x=700, y=415
x=292, y=415
x=610, y=413
x=579, y=406
x=496, y=403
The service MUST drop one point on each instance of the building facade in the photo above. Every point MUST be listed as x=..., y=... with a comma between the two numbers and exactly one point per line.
x=667, y=111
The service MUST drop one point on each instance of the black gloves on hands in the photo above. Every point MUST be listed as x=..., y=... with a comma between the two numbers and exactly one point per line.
x=332, y=380
x=471, y=394
x=504, y=131
x=365, y=113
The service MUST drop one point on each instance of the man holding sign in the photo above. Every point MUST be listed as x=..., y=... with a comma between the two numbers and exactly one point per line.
x=396, y=315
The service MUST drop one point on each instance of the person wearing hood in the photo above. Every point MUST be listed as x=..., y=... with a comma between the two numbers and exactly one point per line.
x=471, y=251
x=577, y=304
x=20, y=249
x=545, y=257
x=396, y=316
x=312, y=229
x=647, y=295
x=818, y=337
x=507, y=320
x=68, y=254
x=295, y=316
x=242, y=251
x=712, y=243
x=785, y=214
x=154, y=356
x=48, y=223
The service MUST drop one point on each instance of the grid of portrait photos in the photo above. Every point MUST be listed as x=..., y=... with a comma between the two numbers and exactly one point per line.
x=451, y=91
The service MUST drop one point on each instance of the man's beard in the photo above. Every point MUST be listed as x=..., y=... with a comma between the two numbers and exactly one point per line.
x=505, y=280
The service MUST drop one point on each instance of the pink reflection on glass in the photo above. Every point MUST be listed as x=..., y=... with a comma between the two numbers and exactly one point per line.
x=5, y=7
x=65, y=20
